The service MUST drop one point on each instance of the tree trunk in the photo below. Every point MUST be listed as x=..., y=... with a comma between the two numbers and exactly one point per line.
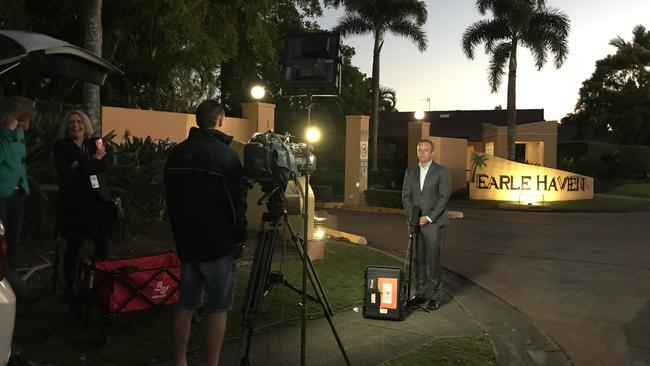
x=93, y=43
x=374, y=120
x=512, y=102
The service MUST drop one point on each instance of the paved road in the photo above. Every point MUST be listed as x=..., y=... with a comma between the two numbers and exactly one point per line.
x=584, y=278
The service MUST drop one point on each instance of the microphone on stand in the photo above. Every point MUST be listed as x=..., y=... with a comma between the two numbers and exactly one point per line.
x=414, y=218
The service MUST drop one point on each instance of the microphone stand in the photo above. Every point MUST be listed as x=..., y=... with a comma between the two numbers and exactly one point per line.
x=414, y=235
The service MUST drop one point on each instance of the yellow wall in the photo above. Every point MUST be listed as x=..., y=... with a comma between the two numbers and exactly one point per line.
x=143, y=123
x=504, y=180
x=164, y=125
x=540, y=138
x=417, y=130
x=449, y=152
x=452, y=154
x=498, y=135
x=545, y=133
x=176, y=126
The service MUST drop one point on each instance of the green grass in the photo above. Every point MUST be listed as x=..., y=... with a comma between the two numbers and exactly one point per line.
x=632, y=190
x=341, y=274
x=464, y=351
x=47, y=332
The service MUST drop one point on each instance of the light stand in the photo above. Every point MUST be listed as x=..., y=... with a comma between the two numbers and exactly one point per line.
x=305, y=218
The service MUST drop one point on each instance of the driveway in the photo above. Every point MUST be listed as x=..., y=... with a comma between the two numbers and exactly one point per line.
x=584, y=278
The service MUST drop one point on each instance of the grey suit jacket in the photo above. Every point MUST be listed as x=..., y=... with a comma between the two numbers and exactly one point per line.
x=434, y=195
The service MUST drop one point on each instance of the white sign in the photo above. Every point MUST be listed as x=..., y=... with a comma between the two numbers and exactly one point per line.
x=364, y=151
x=494, y=178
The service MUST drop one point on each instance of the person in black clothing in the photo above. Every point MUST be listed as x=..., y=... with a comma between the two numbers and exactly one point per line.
x=207, y=213
x=83, y=208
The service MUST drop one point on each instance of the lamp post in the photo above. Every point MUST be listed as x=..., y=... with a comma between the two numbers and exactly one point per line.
x=258, y=92
x=419, y=115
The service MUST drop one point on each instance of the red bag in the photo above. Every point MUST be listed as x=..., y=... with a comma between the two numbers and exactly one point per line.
x=130, y=284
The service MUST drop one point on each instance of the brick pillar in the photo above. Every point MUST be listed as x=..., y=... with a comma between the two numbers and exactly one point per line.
x=356, y=159
x=260, y=115
x=418, y=130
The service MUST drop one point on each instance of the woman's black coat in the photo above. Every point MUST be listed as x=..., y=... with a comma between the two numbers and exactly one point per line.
x=83, y=211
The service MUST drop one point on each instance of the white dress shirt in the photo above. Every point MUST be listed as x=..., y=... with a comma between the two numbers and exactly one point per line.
x=424, y=169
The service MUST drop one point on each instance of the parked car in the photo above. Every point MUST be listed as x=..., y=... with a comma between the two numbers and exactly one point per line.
x=7, y=304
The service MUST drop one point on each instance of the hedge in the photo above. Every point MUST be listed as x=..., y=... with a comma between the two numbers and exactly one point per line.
x=384, y=198
x=604, y=161
x=323, y=193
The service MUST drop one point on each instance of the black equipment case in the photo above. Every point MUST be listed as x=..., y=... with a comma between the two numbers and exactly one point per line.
x=385, y=293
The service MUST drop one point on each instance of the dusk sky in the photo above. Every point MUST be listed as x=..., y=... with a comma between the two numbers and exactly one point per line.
x=452, y=81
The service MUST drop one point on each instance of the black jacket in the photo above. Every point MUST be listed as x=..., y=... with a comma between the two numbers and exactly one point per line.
x=82, y=209
x=205, y=198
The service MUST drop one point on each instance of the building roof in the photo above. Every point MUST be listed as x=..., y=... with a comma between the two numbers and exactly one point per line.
x=460, y=124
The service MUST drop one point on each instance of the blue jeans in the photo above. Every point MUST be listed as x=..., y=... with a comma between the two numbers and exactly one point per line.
x=217, y=277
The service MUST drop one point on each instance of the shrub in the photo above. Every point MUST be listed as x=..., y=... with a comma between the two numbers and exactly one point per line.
x=604, y=161
x=335, y=179
x=135, y=174
x=386, y=178
x=384, y=198
x=323, y=193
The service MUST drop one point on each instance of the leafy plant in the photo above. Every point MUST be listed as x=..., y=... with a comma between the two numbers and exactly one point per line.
x=136, y=176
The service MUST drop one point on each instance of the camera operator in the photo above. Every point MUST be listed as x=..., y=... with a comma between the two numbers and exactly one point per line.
x=207, y=212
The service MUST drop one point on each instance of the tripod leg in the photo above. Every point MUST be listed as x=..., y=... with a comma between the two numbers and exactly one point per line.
x=409, y=252
x=257, y=283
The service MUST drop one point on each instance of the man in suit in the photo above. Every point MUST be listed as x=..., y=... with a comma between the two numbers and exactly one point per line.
x=427, y=186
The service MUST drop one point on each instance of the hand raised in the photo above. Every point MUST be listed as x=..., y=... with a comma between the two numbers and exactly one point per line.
x=99, y=154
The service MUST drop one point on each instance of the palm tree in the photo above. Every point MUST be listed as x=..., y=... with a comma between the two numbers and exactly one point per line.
x=403, y=18
x=478, y=161
x=387, y=99
x=93, y=43
x=529, y=23
x=641, y=39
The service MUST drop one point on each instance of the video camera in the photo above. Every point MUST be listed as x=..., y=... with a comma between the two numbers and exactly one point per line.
x=273, y=160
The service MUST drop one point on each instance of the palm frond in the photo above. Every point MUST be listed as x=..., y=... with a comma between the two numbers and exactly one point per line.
x=549, y=29
x=619, y=42
x=488, y=31
x=500, y=56
x=484, y=5
x=641, y=36
x=414, y=10
x=410, y=31
x=538, y=49
x=351, y=24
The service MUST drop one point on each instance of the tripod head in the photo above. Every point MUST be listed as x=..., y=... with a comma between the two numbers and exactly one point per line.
x=272, y=198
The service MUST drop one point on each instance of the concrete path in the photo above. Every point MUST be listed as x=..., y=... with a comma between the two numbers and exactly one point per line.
x=584, y=278
x=470, y=311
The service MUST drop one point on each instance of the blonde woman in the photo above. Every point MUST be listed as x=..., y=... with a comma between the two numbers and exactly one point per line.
x=83, y=212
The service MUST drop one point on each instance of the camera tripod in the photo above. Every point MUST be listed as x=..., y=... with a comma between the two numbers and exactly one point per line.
x=261, y=279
